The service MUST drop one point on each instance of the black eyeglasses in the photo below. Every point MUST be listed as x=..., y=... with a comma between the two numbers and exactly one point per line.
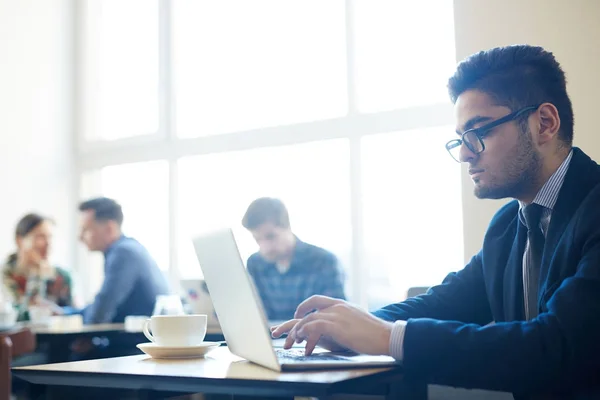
x=473, y=138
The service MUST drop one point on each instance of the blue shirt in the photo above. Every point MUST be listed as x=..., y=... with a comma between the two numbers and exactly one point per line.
x=312, y=270
x=132, y=280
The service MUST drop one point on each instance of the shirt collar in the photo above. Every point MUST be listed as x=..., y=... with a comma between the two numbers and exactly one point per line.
x=297, y=254
x=548, y=194
x=113, y=244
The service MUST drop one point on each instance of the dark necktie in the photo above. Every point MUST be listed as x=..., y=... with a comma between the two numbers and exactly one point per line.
x=535, y=236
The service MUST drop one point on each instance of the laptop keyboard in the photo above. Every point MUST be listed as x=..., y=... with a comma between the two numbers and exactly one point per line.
x=287, y=356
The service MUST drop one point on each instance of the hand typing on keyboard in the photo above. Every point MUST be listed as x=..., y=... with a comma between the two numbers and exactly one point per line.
x=299, y=355
x=336, y=325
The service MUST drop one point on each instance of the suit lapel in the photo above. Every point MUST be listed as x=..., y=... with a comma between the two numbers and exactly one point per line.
x=582, y=176
x=514, y=306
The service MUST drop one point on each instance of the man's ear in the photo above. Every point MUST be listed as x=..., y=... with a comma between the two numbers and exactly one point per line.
x=548, y=123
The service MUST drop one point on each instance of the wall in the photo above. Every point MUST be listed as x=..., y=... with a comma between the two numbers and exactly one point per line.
x=567, y=28
x=36, y=150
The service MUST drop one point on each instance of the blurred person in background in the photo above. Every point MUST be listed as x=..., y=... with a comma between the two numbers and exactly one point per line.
x=286, y=270
x=132, y=279
x=29, y=278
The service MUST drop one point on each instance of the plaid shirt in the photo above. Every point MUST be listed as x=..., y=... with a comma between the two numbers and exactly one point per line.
x=313, y=270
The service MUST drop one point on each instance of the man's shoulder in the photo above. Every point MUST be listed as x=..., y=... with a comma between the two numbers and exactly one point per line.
x=316, y=253
x=129, y=249
x=255, y=261
x=503, y=219
x=588, y=212
x=592, y=199
x=127, y=245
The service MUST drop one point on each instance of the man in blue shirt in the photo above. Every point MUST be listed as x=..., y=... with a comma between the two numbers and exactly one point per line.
x=132, y=280
x=286, y=270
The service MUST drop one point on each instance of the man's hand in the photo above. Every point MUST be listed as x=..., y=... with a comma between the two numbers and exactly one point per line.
x=336, y=324
x=41, y=302
x=30, y=260
x=29, y=257
x=325, y=342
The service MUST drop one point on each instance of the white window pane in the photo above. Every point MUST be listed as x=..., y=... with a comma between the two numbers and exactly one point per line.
x=311, y=179
x=404, y=53
x=242, y=65
x=412, y=204
x=142, y=191
x=90, y=265
x=120, y=68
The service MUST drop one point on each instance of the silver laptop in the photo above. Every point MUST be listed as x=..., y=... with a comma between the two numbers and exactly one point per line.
x=243, y=320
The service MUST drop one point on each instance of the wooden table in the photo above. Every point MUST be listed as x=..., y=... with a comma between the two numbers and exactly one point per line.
x=220, y=372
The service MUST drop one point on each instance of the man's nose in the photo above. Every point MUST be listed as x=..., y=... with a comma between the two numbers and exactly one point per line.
x=465, y=154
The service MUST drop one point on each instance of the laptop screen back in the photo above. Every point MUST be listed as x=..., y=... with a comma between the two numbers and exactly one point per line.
x=234, y=298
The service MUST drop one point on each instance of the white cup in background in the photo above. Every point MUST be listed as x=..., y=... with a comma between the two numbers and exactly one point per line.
x=135, y=323
x=8, y=317
x=66, y=322
x=39, y=315
x=176, y=330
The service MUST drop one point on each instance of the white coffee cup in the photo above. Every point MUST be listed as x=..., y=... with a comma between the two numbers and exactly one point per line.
x=176, y=330
x=40, y=315
x=66, y=322
x=8, y=318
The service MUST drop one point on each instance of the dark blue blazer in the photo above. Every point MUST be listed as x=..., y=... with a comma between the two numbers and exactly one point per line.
x=449, y=339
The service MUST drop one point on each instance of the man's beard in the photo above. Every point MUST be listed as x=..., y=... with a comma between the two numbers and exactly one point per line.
x=520, y=173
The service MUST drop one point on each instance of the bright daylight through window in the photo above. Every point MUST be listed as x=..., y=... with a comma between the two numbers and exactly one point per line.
x=337, y=107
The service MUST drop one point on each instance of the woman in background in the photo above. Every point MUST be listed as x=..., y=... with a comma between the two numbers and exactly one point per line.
x=29, y=278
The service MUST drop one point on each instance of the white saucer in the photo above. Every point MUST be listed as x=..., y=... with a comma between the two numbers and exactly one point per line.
x=156, y=351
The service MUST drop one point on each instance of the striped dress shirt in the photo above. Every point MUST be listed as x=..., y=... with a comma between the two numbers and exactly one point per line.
x=546, y=198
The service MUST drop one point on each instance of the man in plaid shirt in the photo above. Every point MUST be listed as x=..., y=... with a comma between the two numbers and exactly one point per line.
x=286, y=270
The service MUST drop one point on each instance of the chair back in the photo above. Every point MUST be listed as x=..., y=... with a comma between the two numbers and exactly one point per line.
x=13, y=344
x=415, y=291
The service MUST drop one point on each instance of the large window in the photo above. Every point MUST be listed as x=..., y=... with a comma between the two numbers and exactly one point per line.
x=257, y=64
x=338, y=108
x=120, y=69
x=406, y=215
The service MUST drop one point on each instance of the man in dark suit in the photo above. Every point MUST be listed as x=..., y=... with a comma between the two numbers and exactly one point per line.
x=524, y=314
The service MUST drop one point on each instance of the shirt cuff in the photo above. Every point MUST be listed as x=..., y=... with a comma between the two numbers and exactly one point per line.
x=397, y=340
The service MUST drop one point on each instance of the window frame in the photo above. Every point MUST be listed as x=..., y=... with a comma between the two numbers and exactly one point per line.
x=165, y=145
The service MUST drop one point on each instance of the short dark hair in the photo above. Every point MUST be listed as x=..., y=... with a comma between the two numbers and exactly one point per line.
x=266, y=209
x=105, y=209
x=517, y=76
x=28, y=223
